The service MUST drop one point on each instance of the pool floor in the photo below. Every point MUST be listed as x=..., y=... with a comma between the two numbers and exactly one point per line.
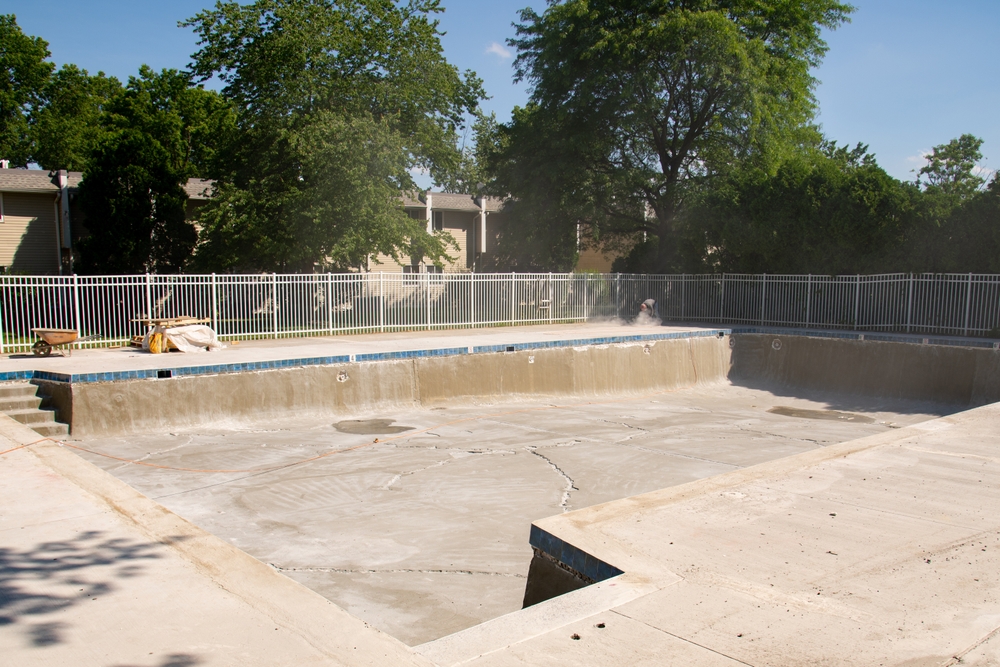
x=425, y=532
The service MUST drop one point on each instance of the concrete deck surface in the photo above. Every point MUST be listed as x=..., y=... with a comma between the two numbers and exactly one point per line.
x=425, y=532
x=94, y=573
x=880, y=551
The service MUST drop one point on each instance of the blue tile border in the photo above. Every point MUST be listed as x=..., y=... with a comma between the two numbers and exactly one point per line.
x=576, y=559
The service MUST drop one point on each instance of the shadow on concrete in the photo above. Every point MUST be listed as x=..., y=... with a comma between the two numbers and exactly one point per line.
x=172, y=660
x=52, y=577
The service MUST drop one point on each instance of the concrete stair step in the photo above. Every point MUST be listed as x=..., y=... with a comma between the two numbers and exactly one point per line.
x=51, y=430
x=31, y=417
x=20, y=403
x=17, y=389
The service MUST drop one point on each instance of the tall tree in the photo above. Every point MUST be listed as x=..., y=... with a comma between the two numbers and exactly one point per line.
x=830, y=211
x=337, y=101
x=951, y=168
x=636, y=104
x=24, y=73
x=67, y=125
x=157, y=132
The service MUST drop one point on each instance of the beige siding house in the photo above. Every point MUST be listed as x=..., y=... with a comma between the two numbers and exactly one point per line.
x=473, y=222
x=35, y=232
x=39, y=221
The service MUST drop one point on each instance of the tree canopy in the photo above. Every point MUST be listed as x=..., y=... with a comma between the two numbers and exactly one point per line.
x=336, y=103
x=156, y=133
x=24, y=73
x=635, y=105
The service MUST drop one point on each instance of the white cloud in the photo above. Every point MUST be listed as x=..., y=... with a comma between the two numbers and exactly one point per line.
x=498, y=49
x=985, y=172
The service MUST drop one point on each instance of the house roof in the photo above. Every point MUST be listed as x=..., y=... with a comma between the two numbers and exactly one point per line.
x=34, y=180
x=450, y=201
x=199, y=188
x=40, y=180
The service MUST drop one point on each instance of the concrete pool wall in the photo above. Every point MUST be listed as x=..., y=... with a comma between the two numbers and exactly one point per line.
x=955, y=375
x=144, y=405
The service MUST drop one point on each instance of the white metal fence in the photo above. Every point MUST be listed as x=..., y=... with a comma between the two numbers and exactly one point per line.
x=270, y=305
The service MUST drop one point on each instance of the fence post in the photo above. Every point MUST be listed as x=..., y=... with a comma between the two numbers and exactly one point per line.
x=274, y=304
x=586, y=305
x=427, y=296
x=809, y=292
x=381, y=301
x=472, y=299
x=329, y=302
x=763, y=297
x=618, y=295
x=512, y=275
x=149, y=297
x=684, y=289
x=215, y=304
x=722, y=300
x=76, y=302
x=857, y=298
x=968, y=302
x=550, y=297
x=4, y=299
x=909, y=306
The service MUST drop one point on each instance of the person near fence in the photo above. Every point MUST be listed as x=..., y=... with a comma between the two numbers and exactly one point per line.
x=648, y=308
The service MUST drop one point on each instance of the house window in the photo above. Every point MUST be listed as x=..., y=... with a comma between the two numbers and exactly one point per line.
x=410, y=274
x=438, y=221
x=435, y=273
x=1, y=207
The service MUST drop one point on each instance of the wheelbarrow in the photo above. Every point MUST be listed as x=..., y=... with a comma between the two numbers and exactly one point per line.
x=52, y=338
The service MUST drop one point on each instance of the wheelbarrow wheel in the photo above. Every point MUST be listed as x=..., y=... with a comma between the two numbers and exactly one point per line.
x=41, y=349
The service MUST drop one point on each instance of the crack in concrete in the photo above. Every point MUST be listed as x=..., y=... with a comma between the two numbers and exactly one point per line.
x=637, y=428
x=339, y=570
x=570, y=484
x=156, y=453
x=782, y=437
x=624, y=443
x=399, y=476
x=679, y=637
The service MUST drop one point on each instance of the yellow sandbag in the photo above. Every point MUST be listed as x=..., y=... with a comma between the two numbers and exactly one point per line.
x=157, y=343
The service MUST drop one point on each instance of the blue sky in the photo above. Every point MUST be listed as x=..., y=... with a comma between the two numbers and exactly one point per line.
x=902, y=77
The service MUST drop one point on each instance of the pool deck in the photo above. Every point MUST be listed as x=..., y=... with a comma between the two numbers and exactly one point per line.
x=112, y=364
x=879, y=551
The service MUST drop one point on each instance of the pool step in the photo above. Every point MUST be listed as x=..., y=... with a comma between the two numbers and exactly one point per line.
x=19, y=401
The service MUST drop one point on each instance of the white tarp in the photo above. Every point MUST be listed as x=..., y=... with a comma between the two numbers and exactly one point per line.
x=188, y=338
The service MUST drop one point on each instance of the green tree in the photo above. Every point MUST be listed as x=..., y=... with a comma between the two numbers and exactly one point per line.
x=67, y=125
x=157, y=132
x=336, y=103
x=950, y=168
x=133, y=206
x=635, y=105
x=831, y=211
x=24, y=73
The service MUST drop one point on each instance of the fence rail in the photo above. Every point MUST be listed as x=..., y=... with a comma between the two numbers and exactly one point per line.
x=276, y=305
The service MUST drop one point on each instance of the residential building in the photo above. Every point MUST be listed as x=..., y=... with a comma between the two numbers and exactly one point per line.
x=473, y=221
x=39, y=219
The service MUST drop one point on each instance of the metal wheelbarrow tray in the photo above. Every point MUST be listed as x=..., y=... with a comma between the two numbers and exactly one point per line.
x=52, y=338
